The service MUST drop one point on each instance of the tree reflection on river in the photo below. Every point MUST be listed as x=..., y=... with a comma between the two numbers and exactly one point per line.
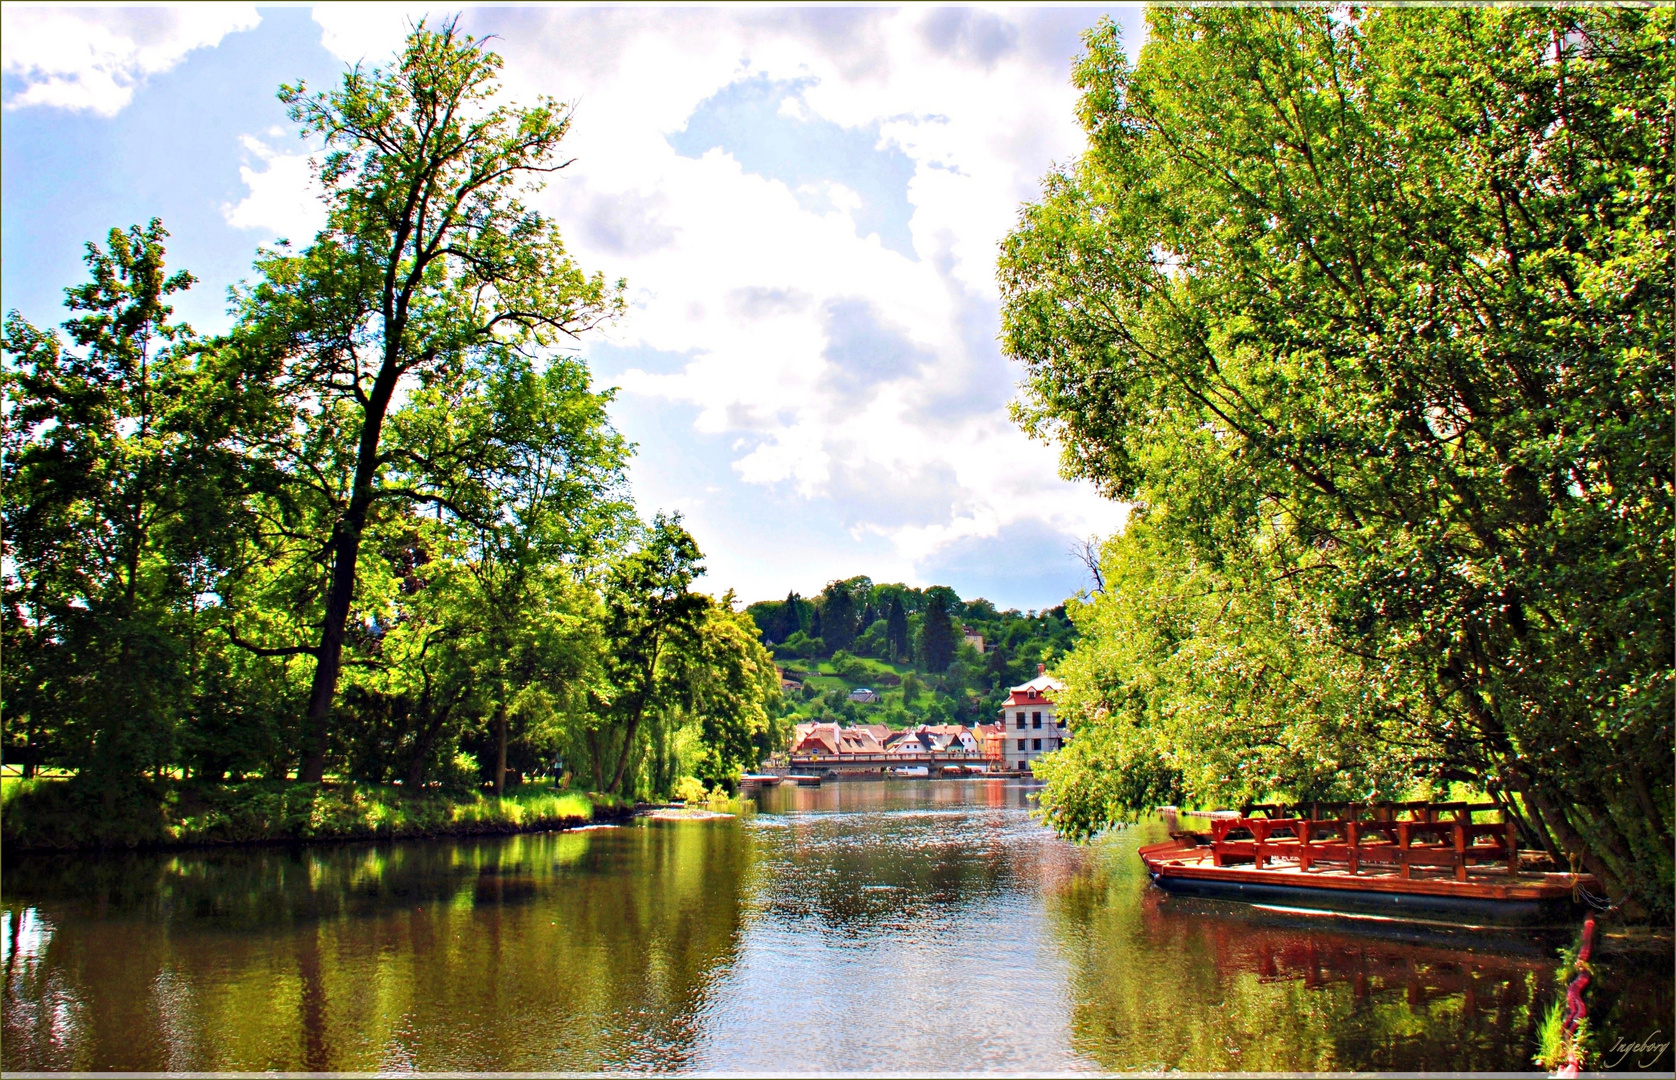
x=593, y=949
x=902, y=926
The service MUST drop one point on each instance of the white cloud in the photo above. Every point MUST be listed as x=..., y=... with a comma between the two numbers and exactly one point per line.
x=284, y=199
x=93, y=59
x=356, y=32
x=734, y=276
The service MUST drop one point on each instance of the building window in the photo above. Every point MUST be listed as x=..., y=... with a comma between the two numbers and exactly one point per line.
x=1059, y=722
x=1036, y=720
x=1021, y=744
x=1038, y=744
x=1021, y=721
x=1059, y=744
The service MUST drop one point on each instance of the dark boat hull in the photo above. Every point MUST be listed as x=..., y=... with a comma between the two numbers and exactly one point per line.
x=1454, y=909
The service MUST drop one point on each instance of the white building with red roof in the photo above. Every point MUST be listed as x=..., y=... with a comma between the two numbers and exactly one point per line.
x=1029, y=725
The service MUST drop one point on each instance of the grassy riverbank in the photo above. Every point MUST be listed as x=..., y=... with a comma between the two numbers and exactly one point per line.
x=53, y=814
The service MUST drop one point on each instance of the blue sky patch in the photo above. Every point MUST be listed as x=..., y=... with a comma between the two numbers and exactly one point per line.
x=744, y=120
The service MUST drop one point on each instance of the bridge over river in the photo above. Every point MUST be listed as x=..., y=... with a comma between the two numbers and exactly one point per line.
x=950, y=763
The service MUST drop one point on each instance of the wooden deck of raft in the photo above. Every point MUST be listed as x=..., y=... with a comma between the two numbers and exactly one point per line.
x=1427, y=848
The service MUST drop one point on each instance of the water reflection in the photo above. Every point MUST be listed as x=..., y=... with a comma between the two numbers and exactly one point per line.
x=884, y=926
x=508, y=954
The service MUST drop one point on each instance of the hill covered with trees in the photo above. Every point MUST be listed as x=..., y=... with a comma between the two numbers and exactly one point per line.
x=909, y=646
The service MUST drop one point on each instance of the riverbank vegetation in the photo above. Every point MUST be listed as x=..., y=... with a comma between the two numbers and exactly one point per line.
x=379, y=532
x=56, y=814
x=907, y=645
x=1363, y=311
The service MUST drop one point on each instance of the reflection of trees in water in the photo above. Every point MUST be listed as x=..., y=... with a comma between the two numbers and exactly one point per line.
x=1157, y=983
x=560, y=951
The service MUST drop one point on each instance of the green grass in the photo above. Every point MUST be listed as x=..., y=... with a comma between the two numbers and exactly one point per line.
x=54, y=814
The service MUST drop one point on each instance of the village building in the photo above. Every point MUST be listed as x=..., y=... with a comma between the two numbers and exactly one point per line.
x=973, y=639
x=814, y=740
x=914, y=743
x=952, y=743
x=880, y=732
x=951, y=737
x=864, y=696
x=830, y=740
x=991, y=739
x=1029, y=721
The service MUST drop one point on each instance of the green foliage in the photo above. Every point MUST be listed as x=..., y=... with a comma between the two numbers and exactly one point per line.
x=121, y=478
x=801, y=646
x=935, y=643
x=849, y=668
x=730, y=692
x=381, y=527
x=896, y=630
x=1216, y=686
x=969, y=685
x=54, y=814
x=431, y=268
x=1380, y=288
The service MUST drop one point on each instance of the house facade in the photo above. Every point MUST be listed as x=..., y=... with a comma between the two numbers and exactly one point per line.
x=1029, y=724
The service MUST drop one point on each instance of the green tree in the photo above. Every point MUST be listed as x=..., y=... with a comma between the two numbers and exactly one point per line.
x=650, y=610
x=428, y=258
x=728, y=693
x=540, y=501
x=1386, y=280
x=937, y=636
x=1217, y=686
x=896, y=630
x=119, y=476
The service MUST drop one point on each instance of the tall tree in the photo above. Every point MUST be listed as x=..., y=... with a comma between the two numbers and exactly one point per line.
x=937, y=634
x=896, y=630
x=119, y=481
x=429, y=256
x=1387, y=279
x=544, y=498
x=649, y=611
x=838, y=615
x=727, y=691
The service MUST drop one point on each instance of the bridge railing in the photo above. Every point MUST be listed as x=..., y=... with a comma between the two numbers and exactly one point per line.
x=941, y=757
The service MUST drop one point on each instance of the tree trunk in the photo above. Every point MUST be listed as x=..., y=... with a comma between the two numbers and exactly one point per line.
x=651, y=673
x=500, y=749
x=593, y=758
x=346, y=547
x=346, y=550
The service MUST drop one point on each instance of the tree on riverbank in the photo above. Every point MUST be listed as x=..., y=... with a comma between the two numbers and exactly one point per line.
x=1360, y=308
x=122, y=480
x=429, y=260
x=380, y=528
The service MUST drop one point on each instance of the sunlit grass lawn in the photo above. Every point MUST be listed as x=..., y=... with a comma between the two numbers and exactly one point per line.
x=51, y=813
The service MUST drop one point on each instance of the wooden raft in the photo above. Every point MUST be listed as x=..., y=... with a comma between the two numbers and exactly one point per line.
x=1349, y=836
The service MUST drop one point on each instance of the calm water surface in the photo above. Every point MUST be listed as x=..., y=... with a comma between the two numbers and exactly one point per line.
x=905, y=926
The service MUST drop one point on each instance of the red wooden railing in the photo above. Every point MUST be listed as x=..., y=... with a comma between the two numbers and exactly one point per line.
x=1431, y=834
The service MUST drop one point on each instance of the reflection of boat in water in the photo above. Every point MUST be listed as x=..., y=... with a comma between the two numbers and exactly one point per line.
x=1419, y=966
x=1412, y=861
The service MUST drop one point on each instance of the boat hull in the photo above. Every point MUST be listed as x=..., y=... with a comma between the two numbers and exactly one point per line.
x=1466, y=910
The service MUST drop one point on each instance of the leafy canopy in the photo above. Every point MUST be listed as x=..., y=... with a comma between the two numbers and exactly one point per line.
x=1387, y=279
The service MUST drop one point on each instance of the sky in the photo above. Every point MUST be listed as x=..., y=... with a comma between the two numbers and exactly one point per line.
x=806, y=204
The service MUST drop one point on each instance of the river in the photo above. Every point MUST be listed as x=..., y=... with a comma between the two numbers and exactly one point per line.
x=903, y=926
